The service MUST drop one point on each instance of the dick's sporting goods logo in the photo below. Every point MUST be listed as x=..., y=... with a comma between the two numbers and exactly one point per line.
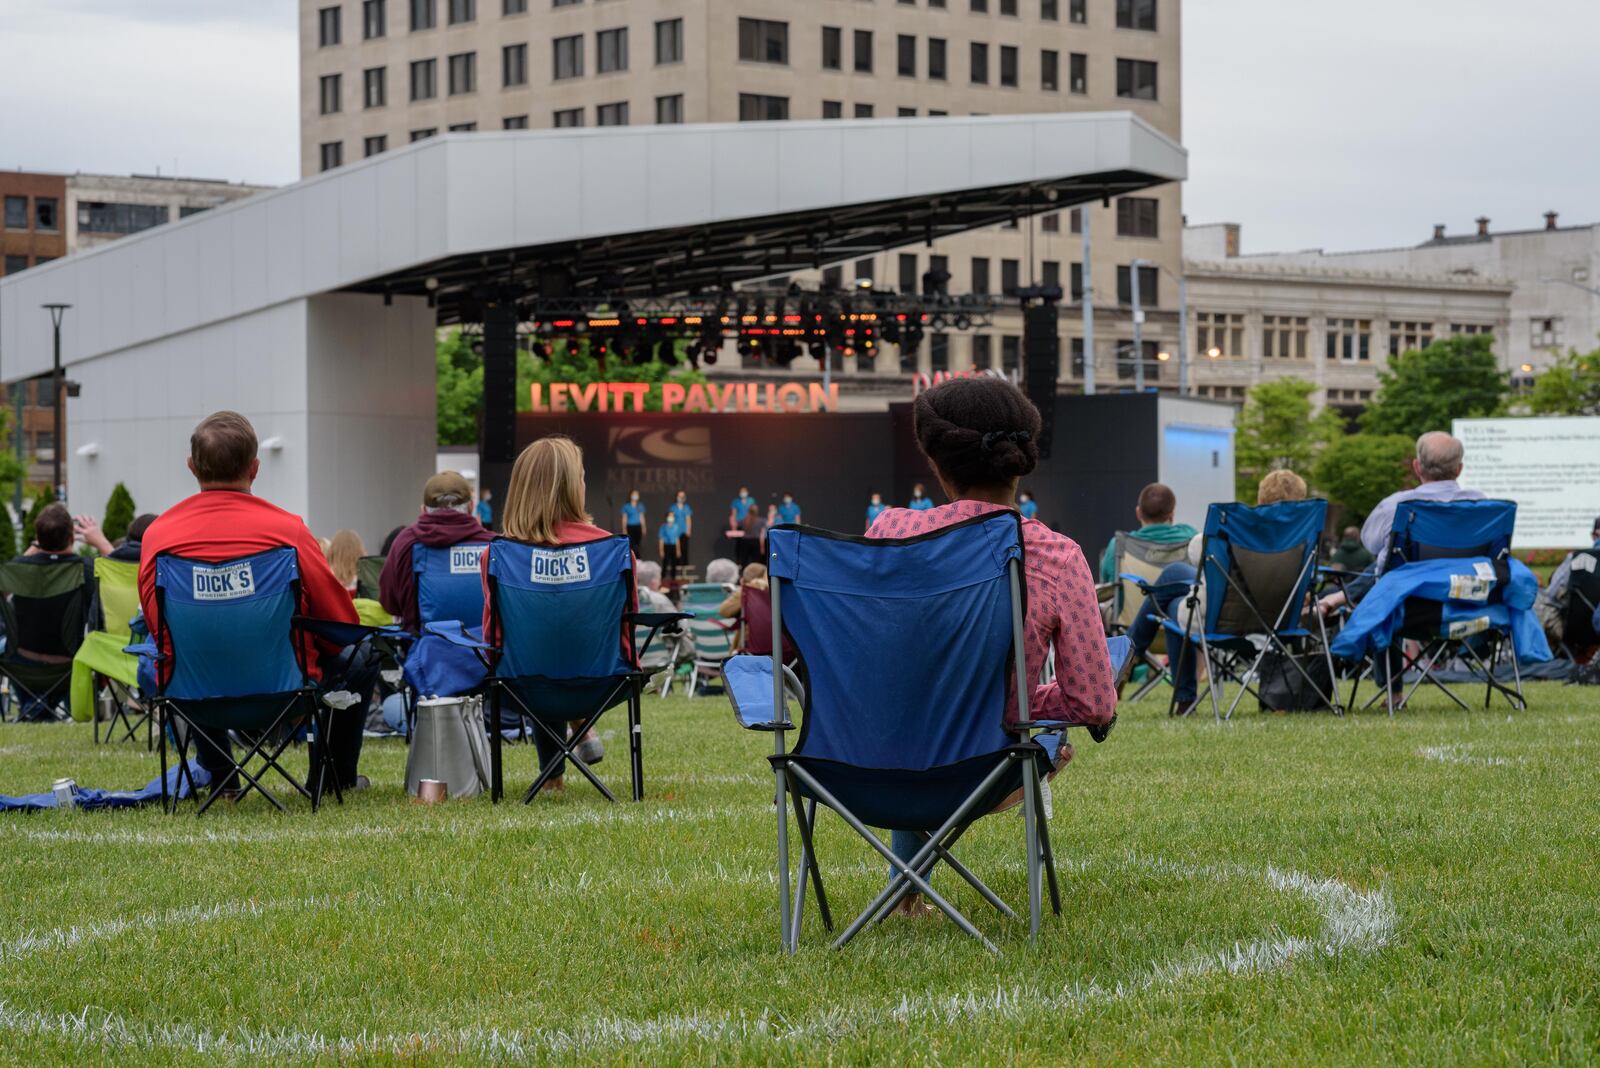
x=561, y=566
x=224, y=583
x=464, y=559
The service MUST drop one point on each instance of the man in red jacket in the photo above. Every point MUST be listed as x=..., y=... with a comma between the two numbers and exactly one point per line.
x=225, y=521
x=446, y=520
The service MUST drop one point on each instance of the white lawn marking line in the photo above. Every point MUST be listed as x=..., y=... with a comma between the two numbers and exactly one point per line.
x=1353, y=921
x=1458, y=754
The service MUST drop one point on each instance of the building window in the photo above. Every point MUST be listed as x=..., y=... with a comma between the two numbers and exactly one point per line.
x=568, y=117
x=980, y=63
x=1219, y=332
x=463, y=73
x=514, y=7
x=463, y=11
x=424, y=79
x=1471, y=328
x=908, y=272
x=669, y=109
x=375, y=87
x=463, y=127
x=832, y=48
x=16, y=213
x=374, y=145
x=1137, y=217
x=1050, y=10
x=669, y=41
x=1350, y=339
x=905, y=47
x=611, y=114
x=1010, y=277
x=1545, y=333
x=329, y=88
x=564, y=3
x=1050, y=273
x=1049, y=70
x=832, y=109
x=568, y=62
x=613, y=50
x=1126, y=367
x=1078, y=75
x=863, y=50
x=374, y=19
x=982, y=352
x=1076, y=349
x=939, y=352
x=906, y=113
x=1149, y=295
x=936, y=59
x=45, y=214
x=1010, y=353
x=1008, y=7
x=15, y=264
x=863, y=111
x=424, y=133
x=327, y=27
x=1136, y=14
x=424, y=15
x=980, y=274
x=332, y=154
x=866, y=271
x=514, y=65
x=514, y=122
x=1136, y=79
x=1405, y=336
x=1075, y=217
x=753, y=107
x=1284, y=337
x=1050, y=224
x=832, y=277
x=763, y=41
x=1076, y=278
x=1078, y=11
x=978, y=7
x=1008, y=66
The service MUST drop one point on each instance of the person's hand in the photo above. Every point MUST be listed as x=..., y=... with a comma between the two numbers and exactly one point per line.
x=89, y=532
x=1330, y=604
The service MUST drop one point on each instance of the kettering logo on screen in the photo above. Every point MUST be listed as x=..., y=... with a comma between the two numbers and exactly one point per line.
x=561, y=567
x=464, y=559
x=224, y=583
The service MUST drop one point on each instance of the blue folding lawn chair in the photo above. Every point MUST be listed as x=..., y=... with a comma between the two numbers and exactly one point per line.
x=907, y=649
x=236, y=664
x=561, y=647
x=1256, y=569
x=449, y=589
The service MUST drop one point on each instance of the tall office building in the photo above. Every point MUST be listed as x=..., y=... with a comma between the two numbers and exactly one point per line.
x=378, y=74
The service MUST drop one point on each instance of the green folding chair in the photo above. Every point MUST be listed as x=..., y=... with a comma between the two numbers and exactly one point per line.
x=45, y=608
x=101, y=666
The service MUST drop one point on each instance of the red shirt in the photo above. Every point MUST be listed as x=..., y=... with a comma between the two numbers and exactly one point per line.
x=1062, y=614
x=217, y=525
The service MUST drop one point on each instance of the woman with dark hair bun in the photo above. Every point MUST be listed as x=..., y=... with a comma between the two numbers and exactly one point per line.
x=981, y=436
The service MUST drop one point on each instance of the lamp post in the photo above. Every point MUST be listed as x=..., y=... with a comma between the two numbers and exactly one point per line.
x=57, y=311
x=1183, y=318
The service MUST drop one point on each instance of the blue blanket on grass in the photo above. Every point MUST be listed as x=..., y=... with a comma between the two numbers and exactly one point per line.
x=89, y=799
x=1462, y=589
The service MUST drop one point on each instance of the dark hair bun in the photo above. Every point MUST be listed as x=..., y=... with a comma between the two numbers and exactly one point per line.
x=978, y=431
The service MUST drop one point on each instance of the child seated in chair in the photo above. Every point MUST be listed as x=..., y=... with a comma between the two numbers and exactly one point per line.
x=980, y=435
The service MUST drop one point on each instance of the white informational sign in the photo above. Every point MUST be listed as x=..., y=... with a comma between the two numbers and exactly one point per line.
x=1549, y=466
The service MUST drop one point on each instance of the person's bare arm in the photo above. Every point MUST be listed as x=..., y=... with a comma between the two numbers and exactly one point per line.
x=91, y=535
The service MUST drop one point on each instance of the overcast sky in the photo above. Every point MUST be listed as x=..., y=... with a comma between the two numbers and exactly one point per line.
x=1314, y=124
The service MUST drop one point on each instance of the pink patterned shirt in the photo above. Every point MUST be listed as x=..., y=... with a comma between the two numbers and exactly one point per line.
x=1062, y=612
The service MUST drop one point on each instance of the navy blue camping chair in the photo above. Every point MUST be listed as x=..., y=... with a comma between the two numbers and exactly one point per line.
x=1257, y=566
x=449, y=588
x=908, y=648
x=1451, y=530
x=235, y=664
x=560, y=647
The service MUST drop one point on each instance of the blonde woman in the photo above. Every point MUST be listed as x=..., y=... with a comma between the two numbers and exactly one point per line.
x=343, y=553
x=545, y=505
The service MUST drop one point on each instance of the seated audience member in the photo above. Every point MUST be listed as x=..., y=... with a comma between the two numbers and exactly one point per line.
x=447, y=519
x=545, y=505
x=127, y=550
x=1170, y=591
x=39, y=620
x=1350, y=554
x=1154, y=511
x=751, y=605
x=722, y=571
x=980, y=436
x=1551, y=605
x=652, y=598
x=345, y=550
x=225, y=521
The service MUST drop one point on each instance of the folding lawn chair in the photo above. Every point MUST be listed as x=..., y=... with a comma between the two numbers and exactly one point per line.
x=235, y=664
x=1257, y=566
x=1452, y=530
x=701, y=599
x=44, y=608
x=713, y=645
x=449, y=589
x=368, y=571
x=1138, y=562
x=907, y=649
x=1583, y=602
x=663, y=658
x=102, y=666
x=560, y=647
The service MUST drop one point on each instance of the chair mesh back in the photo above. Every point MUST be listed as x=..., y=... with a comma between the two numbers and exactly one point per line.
x=1147, y=559
x=368, y=571
x=560, y=608
x=1445, y=530
x=230, y=624
x=118, y=584
x=46, y=606
x=905, y=642
x=1256, y=561
x=449, y=583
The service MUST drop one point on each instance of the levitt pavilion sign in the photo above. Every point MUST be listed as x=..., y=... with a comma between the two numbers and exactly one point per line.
x=676, y=397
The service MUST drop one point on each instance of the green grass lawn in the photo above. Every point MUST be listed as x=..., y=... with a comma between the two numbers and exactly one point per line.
x=1284, y=889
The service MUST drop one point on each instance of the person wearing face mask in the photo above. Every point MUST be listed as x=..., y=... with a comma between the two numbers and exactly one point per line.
x=875, y=508
x=740, y=508
x=669, y=540
x=684, y=515
x=788, y=509
x=1027, y=507
x=920, y=501
x=633, y=519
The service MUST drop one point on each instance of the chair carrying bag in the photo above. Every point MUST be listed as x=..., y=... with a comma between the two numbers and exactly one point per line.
x=449, y=744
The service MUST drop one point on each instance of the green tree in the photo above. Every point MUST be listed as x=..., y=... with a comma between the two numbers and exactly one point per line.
x=1359, y=470
x=1424, y=389
x=1277, y=429
x=460, y=392
x=11, y=468
x=1571, y=386
x=46, y=496
x=8, y=533
x=119, y=513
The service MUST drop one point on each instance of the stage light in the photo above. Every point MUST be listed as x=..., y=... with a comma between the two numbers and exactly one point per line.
x=572, y=347
x=1213, y=353
x=864, y=283
x=1527, y=368
x=1163, y=356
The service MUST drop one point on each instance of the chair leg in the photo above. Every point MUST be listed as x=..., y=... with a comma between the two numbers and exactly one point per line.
x=806, y=817
x=1048, y=855
x=635, y=738
x=496, y=739
x=164, y=774
x=1030, y=821
x=785, y=936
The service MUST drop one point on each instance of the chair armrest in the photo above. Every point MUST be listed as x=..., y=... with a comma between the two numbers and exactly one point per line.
x=340, y=633
x=748, y=681
x=453, y=632
x=656, y=620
